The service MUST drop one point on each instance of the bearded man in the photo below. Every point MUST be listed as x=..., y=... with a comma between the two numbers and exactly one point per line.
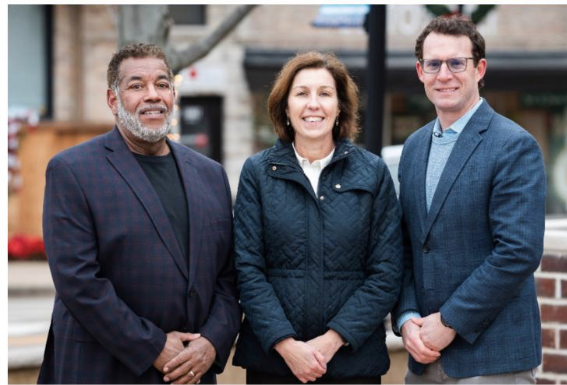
x=138, y=237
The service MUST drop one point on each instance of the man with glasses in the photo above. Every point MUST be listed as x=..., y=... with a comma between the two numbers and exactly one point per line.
x=472, y=189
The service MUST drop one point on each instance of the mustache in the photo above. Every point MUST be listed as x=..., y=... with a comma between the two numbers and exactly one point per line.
x=160, y=107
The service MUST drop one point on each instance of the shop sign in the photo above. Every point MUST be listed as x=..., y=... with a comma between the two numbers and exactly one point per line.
x=341, y=16
x=544, y=100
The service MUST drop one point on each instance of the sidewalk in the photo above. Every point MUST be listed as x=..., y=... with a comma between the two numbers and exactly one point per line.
x=29, y=278
x=30, y=302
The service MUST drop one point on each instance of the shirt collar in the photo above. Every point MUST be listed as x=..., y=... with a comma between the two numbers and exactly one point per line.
x=321, y=163
x=460, y=123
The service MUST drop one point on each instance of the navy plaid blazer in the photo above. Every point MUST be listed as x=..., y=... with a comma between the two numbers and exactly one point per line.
x=121, y=280
x=473, y=255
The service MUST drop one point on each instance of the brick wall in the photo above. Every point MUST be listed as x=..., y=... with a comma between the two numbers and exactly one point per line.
x=551, y=281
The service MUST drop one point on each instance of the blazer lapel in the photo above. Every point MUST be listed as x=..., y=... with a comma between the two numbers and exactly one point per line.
x=468, y=141
x=190, y=177
x=418, y=171
x=124, y=162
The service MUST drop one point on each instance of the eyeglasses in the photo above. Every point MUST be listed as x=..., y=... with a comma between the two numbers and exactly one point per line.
x=455, y=64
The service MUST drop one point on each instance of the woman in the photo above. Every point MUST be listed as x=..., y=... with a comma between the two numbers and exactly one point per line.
x=317, y=238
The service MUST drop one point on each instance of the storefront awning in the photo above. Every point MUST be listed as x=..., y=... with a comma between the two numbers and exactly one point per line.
x=527, y=71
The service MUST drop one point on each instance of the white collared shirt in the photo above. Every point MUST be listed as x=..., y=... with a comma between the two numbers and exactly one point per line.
x=313, y=170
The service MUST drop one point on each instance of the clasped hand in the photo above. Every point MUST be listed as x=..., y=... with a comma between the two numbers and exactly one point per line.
x=185, y=358
x=308, y=360
x=424, y=338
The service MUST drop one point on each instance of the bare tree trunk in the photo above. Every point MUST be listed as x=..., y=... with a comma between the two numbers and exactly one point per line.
x=151, y=24
x=143, y=24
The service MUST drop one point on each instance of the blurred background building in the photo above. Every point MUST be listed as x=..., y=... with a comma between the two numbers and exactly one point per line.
x=58, y=56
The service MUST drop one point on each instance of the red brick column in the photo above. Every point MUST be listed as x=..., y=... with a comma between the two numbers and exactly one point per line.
x=551, y=281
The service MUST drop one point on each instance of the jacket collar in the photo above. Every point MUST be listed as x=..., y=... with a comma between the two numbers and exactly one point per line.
x=282, y=153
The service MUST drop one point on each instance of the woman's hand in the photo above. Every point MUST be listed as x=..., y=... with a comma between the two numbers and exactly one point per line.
x=327, y=344
x=305, y=361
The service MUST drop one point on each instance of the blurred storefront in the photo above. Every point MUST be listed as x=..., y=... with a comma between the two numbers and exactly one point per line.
x=526, y=79
x=530, y=89
x=57, y=66
x=58, y=56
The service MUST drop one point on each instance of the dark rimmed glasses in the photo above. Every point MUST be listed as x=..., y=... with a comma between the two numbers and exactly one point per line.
x=455, y=64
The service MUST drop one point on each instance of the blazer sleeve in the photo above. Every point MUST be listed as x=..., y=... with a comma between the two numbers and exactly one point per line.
x=261, y=305
x=407, y=301
x=224, y=318
x=370, y=304
x=517, y=221
x=71, y=246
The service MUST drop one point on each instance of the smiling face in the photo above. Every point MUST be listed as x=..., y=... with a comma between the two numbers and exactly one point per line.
x=453, y=94
x=313, y=105
x=143, y=100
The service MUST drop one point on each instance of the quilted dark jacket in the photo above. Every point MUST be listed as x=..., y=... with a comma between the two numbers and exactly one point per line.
x=307, y=262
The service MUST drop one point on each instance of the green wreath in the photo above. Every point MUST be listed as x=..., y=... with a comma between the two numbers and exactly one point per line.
x=477, y=16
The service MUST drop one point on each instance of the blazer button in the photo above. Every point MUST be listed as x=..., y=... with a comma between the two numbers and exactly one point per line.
x=274, y=168
x=338, y=186
x=192, y=293
x=322, y=197
x=426, y=249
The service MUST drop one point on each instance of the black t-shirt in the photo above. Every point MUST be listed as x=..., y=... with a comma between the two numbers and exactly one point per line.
x=164, y=176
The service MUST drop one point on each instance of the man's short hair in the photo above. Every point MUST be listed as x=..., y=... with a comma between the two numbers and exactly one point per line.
x=347, y=93
x=134, y=50
x=456, y=26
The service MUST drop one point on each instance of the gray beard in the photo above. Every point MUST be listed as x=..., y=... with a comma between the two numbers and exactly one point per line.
x=133, y=124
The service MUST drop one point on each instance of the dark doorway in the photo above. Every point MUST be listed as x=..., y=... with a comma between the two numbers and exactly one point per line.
x=201, y=125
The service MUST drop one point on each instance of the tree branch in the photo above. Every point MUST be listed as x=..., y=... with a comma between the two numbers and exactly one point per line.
x=143, y=24
x=179, y=59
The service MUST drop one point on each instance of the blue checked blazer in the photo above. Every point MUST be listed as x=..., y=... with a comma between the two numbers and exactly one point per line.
x=121, y=280
x=473, y=255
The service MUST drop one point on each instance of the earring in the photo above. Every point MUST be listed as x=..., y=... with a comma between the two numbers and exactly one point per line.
x=288, y=120
x=337, y=122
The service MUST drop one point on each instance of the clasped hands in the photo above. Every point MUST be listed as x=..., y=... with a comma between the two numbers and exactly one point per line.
x=308, y=360
x=185, y=358
x=424, y=338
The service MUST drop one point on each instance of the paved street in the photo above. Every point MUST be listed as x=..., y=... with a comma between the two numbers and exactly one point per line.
x=30, y=302
x=28, y=324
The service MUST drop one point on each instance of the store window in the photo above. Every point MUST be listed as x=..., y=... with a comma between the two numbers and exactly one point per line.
x=544, y=114
x=188, y=14
x=29, y=58
x=201, y=125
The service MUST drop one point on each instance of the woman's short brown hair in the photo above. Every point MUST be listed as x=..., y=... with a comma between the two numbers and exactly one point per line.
x=347, y=93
